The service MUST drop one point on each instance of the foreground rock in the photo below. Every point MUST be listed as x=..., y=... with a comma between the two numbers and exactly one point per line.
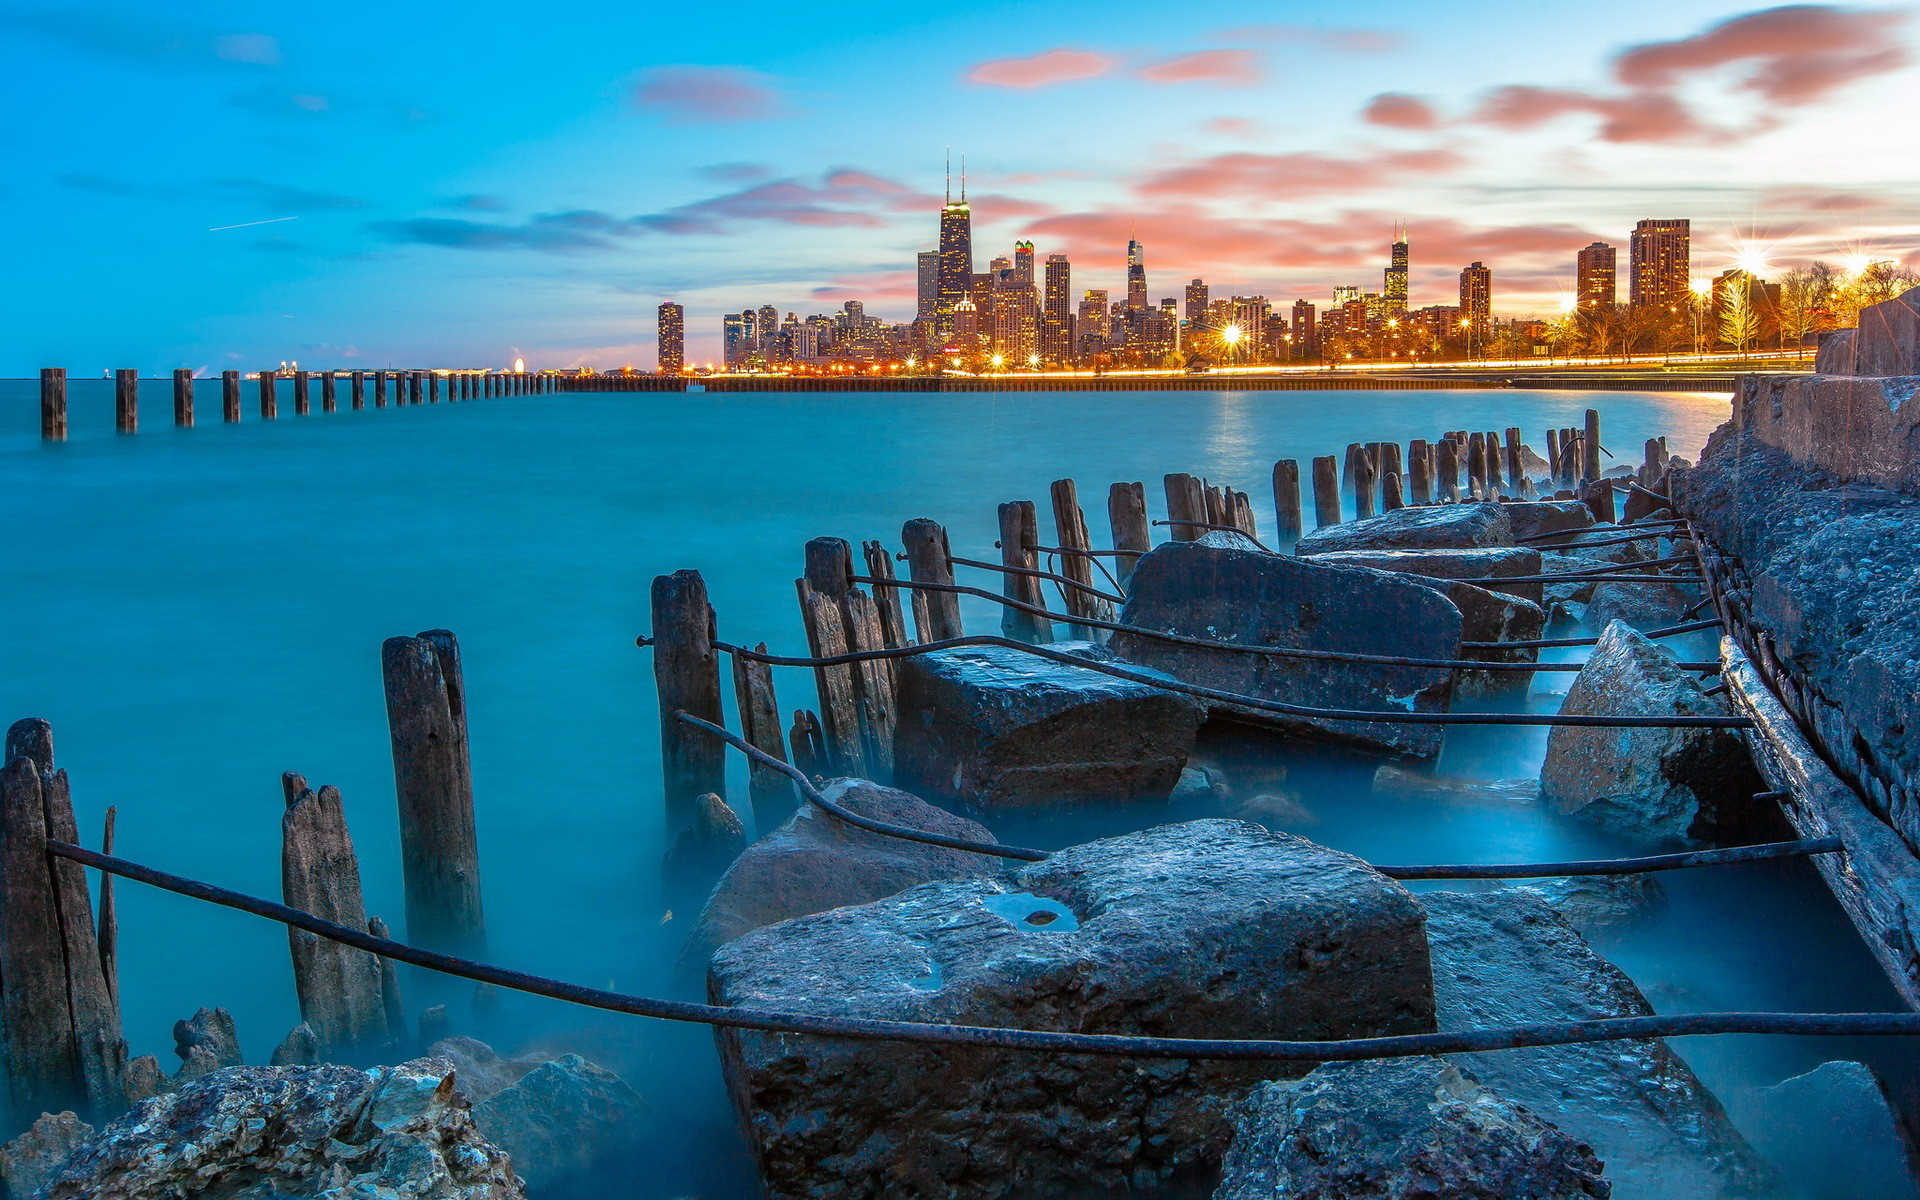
x=1400, y=1129
x=294, y=1133
x=1647, y=606
x=556, y=1120
x=1832, y=1133
x=1659, y=784
x=1200, y=589
x=989, y=727
x=1430, y=527
x=1204, y=929
x=1598, y=904
x=1505, y=958
x=1485, y=566
x=814, y=862
x=1537, y=518
x=33, y=1158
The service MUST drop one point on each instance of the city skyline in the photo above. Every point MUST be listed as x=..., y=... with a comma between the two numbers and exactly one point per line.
x=281, y=193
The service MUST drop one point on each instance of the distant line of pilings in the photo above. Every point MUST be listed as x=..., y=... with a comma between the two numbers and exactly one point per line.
x=404, y=387
x=1342, y=382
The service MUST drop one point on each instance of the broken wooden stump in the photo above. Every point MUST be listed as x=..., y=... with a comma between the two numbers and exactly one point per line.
x=1186, y=506
x=936, y=615
x=1019, y=533
x=1127, y=516
x=1286, y=502
x=338, y=986
x=768, y=789
x=1326, y=492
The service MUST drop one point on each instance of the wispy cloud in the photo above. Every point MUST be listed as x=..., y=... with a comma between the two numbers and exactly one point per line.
x=132, y=36
x=699, y=95
x=1225, y=67
x=1064, y=65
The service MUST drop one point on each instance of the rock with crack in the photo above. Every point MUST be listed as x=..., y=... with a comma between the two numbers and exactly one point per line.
x=1427, y=527
x=1657, y=784
x=1274, y=600
x=1832, y=1132
x=295, y=1133
x=1210, y=928
x=814, y=861
x=1536, y=518
x=1505, y=958
x=987, y=728
x=1400, y=1129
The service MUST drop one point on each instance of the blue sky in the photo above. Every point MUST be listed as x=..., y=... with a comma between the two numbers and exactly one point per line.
x=456, y=185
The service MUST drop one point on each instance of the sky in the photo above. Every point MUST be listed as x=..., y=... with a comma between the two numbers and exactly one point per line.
x=233, y=183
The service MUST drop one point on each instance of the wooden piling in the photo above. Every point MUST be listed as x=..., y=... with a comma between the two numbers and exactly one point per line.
x=1390, y=497
x=1326, y=491
x=379, y=389
x=857, y=699
x=1496, y=478
x=1448, y=490
x=1347, y=458
x=809, y=748
x=1019, y=531
x=1387, y=462
x=414, y=381
x=302, y=393
x=329, y=391
x=1477, y=467
x=1240, y=512
x=1363, y=485
x=269, y=401
x=1597, y=495
x=1286, y=502
x=126, y=401
x=1070, y=525
x=770, y=791
x=230, y=397
x=1516, y=463
x=433, y=780
x=338, y=986
x=183, y=397
x=1186, y=504
x=936, y=614
x=1590, y=446
x=1420, y=470
x=53, y=404
x=1127, y=517
x=433, y=387
x=358, y=391
x=893, y=623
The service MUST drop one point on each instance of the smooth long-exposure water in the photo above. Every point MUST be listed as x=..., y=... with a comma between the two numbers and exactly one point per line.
x=200, y=610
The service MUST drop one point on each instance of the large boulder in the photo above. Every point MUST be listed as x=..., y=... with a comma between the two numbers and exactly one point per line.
x=1483, y=565
x=1426, y=527
x=814, y=861
x=1505, y=958
x=1205, y=929
x=556, y=1120
x=29, y=1161
x=1832, y=1132
x=1660, y=784
x=1494, y=616
x=1886, y=342
x=1536, y=518
x=1400, y=1129
x=1243, y=596
x=295, y=1133
x=989, y=727
x=1641, y=605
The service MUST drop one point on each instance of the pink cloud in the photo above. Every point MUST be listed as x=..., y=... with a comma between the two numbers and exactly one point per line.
x=1054, y=66
x=878, y=287
x=1396, y=110
x=1275, y=176
x=1797, y=53
x=691, y=95
x=1229, y=67
x=1636, y=117
x=1232, y=126
x=997, y=206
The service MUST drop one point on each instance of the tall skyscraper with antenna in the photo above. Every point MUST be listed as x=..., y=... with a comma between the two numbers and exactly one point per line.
x=956, y=252
x=1136, y=275
x=1395, y=292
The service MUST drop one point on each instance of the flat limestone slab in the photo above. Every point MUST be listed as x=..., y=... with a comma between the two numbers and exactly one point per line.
x=1426, y=527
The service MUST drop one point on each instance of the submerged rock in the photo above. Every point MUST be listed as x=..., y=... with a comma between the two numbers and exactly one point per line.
x=1400, y=1129
x=815, y=861
x=1401, y=783
x=1654, y=783
x=1260, y=599
x=1832, y=1133
x=989, y=727
x=1505, y=958
x=556, y=1120
x=1209, y=928
x=33, y=1158
x=1600, y=903
x=295, y=1133
x=1428, y=527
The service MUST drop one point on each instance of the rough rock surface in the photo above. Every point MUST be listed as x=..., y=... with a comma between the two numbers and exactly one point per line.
x=1601, y=903
x=1428, y=527
x=555, y=1120
x=988, y=728
x=1485, y=565
x=1574, y=590
x=814, y=862
x=206, y=1041
x=1209, y=928
x=1659, y=784
x=1614, y=551
x=30, y=1160
x=1533, y=518
x=1400, y=1129
x=1646, y=606
x=294, y=1133
x=1506, y=958
x=1832, y=1133
x=1258, y=599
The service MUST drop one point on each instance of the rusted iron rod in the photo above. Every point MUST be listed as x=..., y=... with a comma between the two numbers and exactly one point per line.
x=1036, y=573
x=1579, y=577
x=1612, y=541
x=1558, y=1033
x=1560, y=533
x=1622, y=866
x=1546, y=643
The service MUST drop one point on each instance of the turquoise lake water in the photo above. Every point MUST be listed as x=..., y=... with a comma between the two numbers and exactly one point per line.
x=197, y=611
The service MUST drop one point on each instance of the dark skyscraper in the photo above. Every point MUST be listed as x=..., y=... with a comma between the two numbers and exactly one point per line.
x=1136, y=275
x=1660, y=261
x=1476, y=296
x=1023, y=262
x=673, y=338
x=1394, y=295
x=929, y=285
x=1056, y=311
x=1304, y=333
x=1196, y=309
x=956, y=256
x=1593, y=277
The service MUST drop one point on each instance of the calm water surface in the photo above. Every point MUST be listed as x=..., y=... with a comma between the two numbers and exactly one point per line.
x=200, y=610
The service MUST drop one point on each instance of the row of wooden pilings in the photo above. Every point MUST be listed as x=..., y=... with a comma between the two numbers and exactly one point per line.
x=61, y=1039
x=409, y=387
x=852, y=730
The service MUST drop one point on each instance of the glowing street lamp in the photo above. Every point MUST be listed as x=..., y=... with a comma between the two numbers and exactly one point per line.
x=1033, y=360
x=999, y=360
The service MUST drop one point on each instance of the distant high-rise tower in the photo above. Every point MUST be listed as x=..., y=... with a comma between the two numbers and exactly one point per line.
x=673, y=338
x=1476, y=295
x=1394, y=295
x=1023, y=262
x=1196, y=310
x=737, y=343
x=929, y=281
x=956, y=255
x=767, y=325
x=1345, y=294
x=1303, y=331
x=1136, y=275
x=1593, y=277
x=1660, y=262
x=1056, y=311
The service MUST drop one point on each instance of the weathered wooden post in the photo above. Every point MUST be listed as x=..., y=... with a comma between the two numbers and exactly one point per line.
x=359, y=391
x=126, y=401
x=1186, y=504
x=1363, y=488
x=183, y=397
x=53, y=404
x=1496, y=480
x=379, y=389
x=1019, y=532
x=686, y=675
x=230, y=397
x=1326, y=491
x=770, y=791
x=1572, y=456
x=1353, y=451
x=339, y=987
x=1070, y=525
x=893, y=620
x=1553, y=454
x=1420, y=470
x=1387, y=462
x=1476, y=467
x=1390, y=497
x=269, y=402
x=433, y=780
x=936, y=615
x=329, y=391
x=60, y=1033
x=302, y=393
x=829, y=579
x=827, y=637
x=1590, y=446
x=1286, y=502
x=1449, y=481
x=1516, y=463
x=1127, y=517
x=433, y=387
x=414, y=380
x=1597, y=495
